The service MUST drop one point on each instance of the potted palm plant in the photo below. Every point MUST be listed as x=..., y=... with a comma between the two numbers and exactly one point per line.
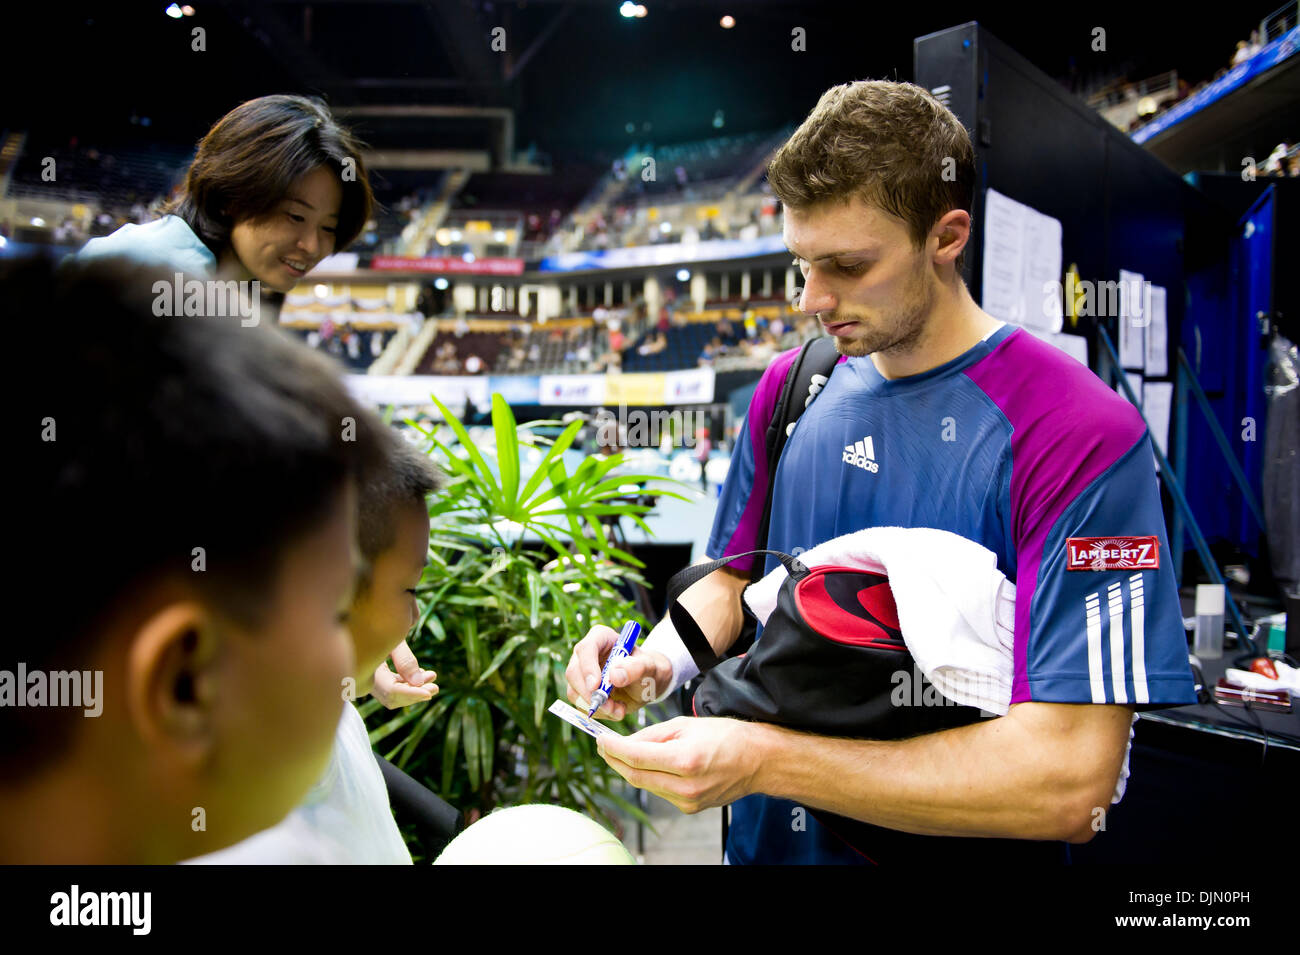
x=519, y=570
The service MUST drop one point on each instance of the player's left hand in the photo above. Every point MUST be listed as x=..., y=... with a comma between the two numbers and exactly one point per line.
x=408, y=685
x=694, y=763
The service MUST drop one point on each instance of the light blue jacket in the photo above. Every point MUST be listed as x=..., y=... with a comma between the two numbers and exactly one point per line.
x=167, y=241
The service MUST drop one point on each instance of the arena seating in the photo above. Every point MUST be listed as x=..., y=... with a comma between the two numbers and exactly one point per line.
x=448, y=352
x=401, y=196
x=685, y=343
x=112, y=176
x=526, y=192
x=713, y=184
x=357, y=358
x=697, y=170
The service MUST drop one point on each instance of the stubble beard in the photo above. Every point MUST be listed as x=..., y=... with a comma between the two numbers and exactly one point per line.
x=900, y=331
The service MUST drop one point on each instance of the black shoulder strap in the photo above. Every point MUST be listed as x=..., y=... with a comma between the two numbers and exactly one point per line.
x=692, y=636
x=803, y=382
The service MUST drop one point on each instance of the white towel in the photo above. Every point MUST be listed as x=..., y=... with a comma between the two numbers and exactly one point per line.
x=956, y=610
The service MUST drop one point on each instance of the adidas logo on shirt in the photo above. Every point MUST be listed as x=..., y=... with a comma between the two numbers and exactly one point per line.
x=861, y=454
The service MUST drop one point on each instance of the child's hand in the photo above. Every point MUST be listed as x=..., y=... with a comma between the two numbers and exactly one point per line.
x=408, y=685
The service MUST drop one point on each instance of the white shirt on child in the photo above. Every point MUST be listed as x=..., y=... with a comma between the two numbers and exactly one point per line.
x=345, y=819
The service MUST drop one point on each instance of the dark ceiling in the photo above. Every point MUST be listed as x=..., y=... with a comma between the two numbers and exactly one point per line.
x=575, y=71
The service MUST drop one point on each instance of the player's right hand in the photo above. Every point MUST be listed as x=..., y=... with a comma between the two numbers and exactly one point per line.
x=638, y=680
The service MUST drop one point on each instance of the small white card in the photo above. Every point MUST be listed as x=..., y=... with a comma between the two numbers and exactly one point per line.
x=580, y=719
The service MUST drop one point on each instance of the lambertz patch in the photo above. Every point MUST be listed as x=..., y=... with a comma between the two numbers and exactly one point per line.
x=1112, y=553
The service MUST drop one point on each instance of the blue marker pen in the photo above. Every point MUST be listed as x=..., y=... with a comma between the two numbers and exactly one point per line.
x=622, y=650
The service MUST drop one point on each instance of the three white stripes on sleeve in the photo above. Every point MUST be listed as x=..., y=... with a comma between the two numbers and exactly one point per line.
x=1115, y=611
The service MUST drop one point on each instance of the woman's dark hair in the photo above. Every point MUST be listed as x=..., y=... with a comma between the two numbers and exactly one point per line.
x=248, y=161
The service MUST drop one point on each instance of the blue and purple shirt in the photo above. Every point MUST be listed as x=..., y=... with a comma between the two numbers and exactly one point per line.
x=1016, y=446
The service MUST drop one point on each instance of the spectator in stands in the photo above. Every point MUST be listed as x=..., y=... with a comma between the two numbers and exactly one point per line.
x=702, y=448
x=1242, y=54
x=616, y=341
x=725, y=330
x=1274, y=165
x=473, y=365
x=766, y=347
x=664, y=321
x=275, y=186
x=709, y=352
x=657, y=343
x=445, y=361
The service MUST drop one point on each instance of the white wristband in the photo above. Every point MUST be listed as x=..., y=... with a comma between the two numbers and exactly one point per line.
x=664, y=639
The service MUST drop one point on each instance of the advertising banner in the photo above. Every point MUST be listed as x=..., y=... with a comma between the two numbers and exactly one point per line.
x=451, y=390
x=449, y=265
x=516, y=389
x=689, y=387
x=638, y=389
x=572, y=390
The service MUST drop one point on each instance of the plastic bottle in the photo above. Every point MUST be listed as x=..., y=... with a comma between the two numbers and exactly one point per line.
x=1208, y=643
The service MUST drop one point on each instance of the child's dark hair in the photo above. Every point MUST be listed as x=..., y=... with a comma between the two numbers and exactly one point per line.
x=251, y=157
x=145, y=437
x=407, y=475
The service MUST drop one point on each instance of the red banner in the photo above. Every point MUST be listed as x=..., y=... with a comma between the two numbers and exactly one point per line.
x=450, y=265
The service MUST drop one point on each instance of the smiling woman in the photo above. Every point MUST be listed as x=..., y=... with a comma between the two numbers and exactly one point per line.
x=275, y=186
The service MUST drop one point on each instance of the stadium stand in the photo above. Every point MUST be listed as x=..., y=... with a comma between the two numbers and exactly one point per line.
x=117, y=178
x=357, y=349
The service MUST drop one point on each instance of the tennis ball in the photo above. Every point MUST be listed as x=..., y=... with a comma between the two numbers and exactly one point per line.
x=535, y=835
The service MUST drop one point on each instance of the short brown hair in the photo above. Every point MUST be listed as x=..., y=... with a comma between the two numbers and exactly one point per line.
x=885, y=142
x=251, y=157
x=405, y=474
